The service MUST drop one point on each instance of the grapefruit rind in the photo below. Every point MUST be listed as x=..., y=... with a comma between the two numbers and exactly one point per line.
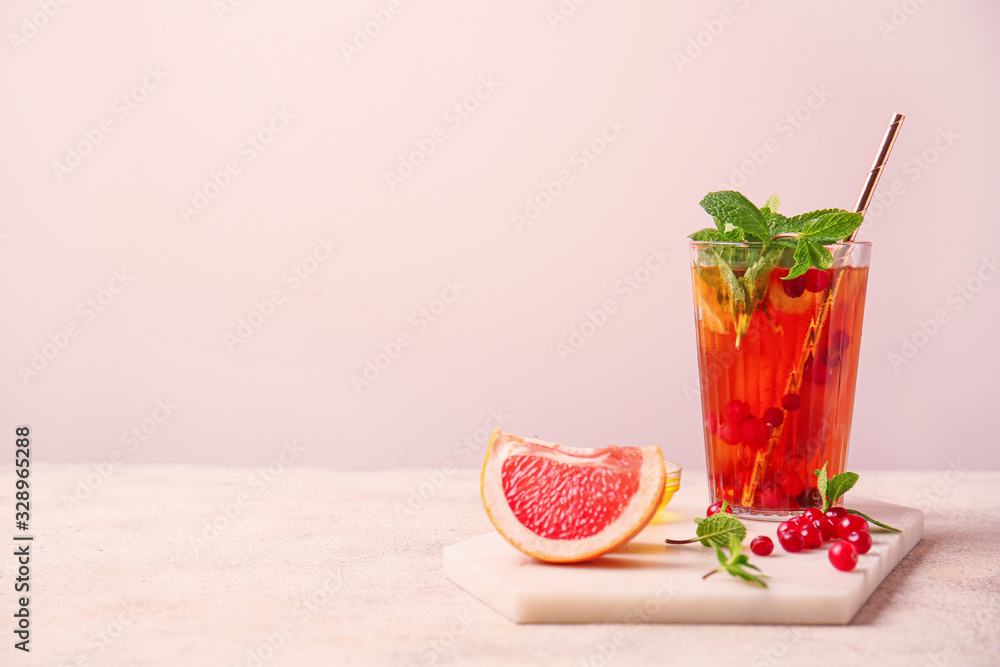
x=638, y=512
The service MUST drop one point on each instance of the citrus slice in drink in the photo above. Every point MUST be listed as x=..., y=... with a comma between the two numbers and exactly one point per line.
x=565, y=504
x=708, y=307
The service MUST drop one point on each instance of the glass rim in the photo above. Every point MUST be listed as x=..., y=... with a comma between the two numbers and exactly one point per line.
x=760, y=244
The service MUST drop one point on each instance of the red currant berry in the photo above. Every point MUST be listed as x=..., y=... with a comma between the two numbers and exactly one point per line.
x=790, y=484
x=816, y=280
x=817, y=372
x=730, y=433
x=797, y=522
x=770, y=497
x=789, y=535
x=712, y=423
x=795, y=287
x=791, y=402
x=861, y=540
x=849, y=524
x=831, y=357
x=754, y=433
x=844, y=556
x=809, y=497
x=835, y=514
x=737, y=411
x=840, y=340
x=812, y=538
x=785, y=526
x=812, y=513
x=716, y=507
x=827, y=528
x=773, y=416
x=791, y=541
x=762, y=545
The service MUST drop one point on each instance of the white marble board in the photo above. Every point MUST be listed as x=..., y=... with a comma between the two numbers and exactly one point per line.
x=647, y=581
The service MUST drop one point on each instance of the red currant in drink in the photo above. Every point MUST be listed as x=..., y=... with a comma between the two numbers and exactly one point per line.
x=778, y=362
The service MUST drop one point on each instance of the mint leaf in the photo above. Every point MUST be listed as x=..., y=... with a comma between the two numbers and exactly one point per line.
x=731, y=208
x=733, y=287
x=719, y=529
x=736, y=571
x=799, y=222
x=779, y=224
x=827, y=225
x=803, y=260
x=831, y=226
x=809, y=254
x=831, y=489
x=754, y=281
x=716, y=531
x=735, y=547
x=766, y=214
x=839, y=485
x=708, y=234
x=734, y=235
x=773, y=203
x=723, y=559
x=823, y=483
x=821, y=257
x=770, y=209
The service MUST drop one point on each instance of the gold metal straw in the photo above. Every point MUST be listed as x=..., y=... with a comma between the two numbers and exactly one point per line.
x=809, y=344
x=881, y=157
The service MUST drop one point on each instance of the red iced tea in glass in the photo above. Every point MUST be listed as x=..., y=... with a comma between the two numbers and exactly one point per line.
x=778, y=374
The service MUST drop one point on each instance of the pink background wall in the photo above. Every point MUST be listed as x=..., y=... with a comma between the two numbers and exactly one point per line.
x=532, y=87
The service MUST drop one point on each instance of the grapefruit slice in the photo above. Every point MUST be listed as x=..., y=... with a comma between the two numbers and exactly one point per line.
x=565, y=504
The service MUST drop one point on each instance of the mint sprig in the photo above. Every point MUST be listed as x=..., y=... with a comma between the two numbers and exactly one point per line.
x=716, y=530
x=833, y=488
x=724, y=531
x=736, y=563
x=737, y=219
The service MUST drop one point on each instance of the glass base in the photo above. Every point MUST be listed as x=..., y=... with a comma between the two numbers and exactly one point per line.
x=764, y=515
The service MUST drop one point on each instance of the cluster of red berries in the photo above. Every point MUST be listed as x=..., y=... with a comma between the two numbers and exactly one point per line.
x=740, y=427
x=811, y=529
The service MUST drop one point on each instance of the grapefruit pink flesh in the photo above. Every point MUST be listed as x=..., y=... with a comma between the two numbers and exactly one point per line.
x=564, y=501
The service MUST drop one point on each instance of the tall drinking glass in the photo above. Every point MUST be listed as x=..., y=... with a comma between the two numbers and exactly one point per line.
x=778, y=363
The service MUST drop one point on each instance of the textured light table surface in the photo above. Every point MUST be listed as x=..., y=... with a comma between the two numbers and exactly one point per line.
x=321, y=567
